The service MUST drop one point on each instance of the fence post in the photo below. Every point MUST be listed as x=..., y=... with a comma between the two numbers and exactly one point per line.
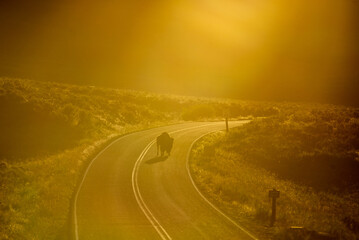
x=227, y=124
x=274, y=194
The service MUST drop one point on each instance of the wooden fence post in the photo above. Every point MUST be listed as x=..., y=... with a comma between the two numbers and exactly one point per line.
x=274, y=194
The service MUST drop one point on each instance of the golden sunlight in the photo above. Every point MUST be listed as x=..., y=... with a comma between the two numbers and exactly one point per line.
x=192, y=119
x=298, y=50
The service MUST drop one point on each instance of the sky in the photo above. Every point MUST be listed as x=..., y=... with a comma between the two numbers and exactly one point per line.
x=278, y=50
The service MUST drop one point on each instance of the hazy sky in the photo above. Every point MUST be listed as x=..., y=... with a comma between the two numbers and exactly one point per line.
x=249, y=49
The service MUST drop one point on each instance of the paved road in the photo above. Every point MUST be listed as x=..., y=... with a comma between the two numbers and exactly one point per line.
x=129, y=193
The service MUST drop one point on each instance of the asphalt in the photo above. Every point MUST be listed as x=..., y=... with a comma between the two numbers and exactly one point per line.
x=130, y=193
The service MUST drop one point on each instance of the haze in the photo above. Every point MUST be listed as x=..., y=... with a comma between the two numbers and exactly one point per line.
x=296, y=50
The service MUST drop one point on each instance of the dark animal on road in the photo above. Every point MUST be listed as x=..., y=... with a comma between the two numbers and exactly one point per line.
x=164, y=144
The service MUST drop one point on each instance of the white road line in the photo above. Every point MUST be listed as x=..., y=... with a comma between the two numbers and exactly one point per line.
x=205, y=199
x=151, y=218
x=76, y=232
x=158, y=227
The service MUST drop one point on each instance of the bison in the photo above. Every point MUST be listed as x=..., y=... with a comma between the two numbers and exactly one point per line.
x=164, y=144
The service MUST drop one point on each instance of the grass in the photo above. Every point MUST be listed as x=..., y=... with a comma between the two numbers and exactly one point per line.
x=50, y=131
x=308, y=152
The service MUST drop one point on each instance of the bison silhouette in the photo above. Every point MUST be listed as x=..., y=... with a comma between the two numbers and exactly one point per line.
x=164, y=144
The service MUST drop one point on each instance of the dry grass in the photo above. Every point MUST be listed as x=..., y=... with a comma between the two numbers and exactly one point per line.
x=50, y=132
x=237, y=170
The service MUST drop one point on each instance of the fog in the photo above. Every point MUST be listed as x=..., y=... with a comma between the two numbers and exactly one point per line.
x=276, y=50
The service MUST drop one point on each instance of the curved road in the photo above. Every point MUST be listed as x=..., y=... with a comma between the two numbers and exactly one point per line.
x=129, y=193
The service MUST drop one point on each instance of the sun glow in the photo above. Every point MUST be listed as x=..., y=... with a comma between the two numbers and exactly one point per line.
x=299, y=50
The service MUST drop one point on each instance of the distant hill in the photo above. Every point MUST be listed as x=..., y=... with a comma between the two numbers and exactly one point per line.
x=39, y=118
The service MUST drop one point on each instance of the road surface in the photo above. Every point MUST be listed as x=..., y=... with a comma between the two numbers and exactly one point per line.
x=129, y=193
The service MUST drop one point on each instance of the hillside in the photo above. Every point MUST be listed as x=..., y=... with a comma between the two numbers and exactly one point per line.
x=48, y=117
x=50, y=131
x=308, y=152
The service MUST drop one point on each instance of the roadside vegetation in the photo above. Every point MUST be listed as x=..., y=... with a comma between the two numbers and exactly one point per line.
x=50, y=131
x=310, y=153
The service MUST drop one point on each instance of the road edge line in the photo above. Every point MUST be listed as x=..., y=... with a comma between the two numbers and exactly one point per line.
x=204, y=198
x=83, y=180
x=79, y=186
x=74, y=206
